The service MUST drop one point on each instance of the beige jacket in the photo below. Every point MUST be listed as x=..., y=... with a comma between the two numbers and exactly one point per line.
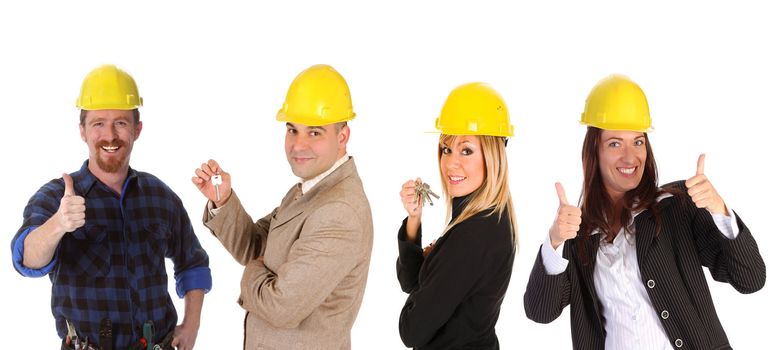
x=306, y=291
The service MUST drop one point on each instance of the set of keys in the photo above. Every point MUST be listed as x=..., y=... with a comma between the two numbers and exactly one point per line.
x=216, y=182
x=424, y=193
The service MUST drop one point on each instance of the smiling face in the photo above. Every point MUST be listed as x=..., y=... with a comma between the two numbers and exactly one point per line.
x=461, y=164
x=109, y=135
x=312, y=150
x=622, y=156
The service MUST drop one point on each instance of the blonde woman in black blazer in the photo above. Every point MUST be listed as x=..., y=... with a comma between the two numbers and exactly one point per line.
x=628, y=261
x=456, y=286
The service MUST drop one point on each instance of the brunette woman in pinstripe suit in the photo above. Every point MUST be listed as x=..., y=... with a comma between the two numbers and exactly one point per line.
x=629, y=259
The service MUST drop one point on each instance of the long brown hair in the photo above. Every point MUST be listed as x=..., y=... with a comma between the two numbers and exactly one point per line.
x=595, y=203
x=493, y=193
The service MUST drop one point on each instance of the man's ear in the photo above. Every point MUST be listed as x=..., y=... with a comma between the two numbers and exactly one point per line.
x=138, y=130
x=344, y=136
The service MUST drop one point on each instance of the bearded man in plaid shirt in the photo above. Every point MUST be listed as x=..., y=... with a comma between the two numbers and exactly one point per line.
x=101, y=233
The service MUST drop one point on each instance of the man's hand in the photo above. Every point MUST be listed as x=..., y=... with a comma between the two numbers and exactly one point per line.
x=202, y=180
x=184, y=336
x=72, y=212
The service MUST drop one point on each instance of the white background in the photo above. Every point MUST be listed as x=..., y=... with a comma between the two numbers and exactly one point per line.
x=213, y=77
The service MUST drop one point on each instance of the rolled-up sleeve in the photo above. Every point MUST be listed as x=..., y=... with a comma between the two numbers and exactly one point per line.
x=191, y=263
x=195, y=278
x=41, y=206
x=17, y=249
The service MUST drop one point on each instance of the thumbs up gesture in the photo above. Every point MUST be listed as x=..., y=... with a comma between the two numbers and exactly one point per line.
x=702, y=192
x=72, y=212
x=567, y=220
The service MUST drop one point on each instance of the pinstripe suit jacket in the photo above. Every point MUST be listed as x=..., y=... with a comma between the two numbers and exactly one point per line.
x=673, y=260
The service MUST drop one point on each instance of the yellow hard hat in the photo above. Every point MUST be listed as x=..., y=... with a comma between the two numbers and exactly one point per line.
x=617, y=103
x=317, y=96
x=108, y=87
x=475, y=109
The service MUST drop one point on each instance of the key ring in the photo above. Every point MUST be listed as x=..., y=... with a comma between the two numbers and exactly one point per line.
x=424, y=193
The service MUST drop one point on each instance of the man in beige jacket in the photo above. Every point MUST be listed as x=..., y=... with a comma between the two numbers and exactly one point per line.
x=307, y=261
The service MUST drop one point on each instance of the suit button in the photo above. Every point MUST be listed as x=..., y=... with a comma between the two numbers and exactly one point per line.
x=651, y=284
x=665, y=314
x=678, y=343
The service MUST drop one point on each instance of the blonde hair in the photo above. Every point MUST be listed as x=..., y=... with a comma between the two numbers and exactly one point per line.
x=493, y=193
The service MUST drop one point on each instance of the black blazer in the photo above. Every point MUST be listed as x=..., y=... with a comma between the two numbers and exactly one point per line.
x=455, y=293
x=671, y=268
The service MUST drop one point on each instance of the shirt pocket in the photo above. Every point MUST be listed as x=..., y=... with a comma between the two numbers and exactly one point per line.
x=155, y=242
x=87, y=253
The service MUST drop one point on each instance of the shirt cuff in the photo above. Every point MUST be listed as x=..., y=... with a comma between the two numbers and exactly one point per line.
x=18, y=257
x=195, y=278
x=213, y=211
x=552, y=259
x=727, y=225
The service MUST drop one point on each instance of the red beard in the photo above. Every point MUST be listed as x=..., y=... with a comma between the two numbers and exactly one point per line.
x=113, y=164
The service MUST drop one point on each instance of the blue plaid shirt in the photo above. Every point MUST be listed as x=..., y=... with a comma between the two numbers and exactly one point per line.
x=114, y=267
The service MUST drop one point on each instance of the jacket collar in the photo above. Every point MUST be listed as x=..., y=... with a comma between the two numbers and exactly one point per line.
x=635, y=213
x=295, y=203
x=306, y=185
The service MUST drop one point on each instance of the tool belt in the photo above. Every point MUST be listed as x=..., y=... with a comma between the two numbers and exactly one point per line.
x=106, y=340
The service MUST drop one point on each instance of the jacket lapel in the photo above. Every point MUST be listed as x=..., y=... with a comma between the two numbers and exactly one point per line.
x=645, y=233
x=588, y=279
x=645, y=229
x=291, y=206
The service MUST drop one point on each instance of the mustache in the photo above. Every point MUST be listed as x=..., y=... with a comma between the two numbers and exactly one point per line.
x=115, y=143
